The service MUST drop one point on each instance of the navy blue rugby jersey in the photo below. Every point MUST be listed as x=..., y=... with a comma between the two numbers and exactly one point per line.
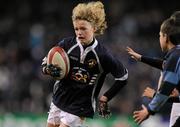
x=170, y=79
x=77, y=93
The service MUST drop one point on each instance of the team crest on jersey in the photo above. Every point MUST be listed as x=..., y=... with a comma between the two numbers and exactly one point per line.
x=80, y=75
x=91, y=63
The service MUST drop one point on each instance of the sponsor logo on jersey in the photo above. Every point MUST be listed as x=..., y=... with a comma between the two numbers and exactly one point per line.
x=80, y=75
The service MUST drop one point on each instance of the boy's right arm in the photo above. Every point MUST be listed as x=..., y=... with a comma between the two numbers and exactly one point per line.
x=154, y=62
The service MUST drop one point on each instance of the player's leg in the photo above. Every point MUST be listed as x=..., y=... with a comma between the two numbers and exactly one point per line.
x=70, y=120
x=54, y=116
x=59, y=118
x=63, y=125
x=52, y=125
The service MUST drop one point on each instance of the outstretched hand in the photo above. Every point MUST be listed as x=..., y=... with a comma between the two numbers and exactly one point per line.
x=141, y=115
x=133, y=54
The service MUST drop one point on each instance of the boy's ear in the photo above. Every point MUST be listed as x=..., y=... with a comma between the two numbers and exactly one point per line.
x=166, y=37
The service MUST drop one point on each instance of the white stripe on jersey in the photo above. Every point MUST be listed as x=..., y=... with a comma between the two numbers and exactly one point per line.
x=73, y=47
x=123, y=77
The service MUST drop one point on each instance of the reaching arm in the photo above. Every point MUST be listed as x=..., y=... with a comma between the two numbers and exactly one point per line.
x=170, y=80
x=154, y=62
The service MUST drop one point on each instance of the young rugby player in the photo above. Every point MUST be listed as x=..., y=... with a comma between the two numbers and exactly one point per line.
x=74, y=97
x=169, y=42
x=149, y=92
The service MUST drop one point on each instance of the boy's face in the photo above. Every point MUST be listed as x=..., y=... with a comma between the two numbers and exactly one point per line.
x=163, y=41
x=84, y=31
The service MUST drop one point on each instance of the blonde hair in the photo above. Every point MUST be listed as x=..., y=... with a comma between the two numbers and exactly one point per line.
x=92, y=12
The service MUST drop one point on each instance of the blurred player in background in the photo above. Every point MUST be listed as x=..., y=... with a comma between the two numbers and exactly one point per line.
x=75, y=96
x=170, y=76
x=149, y=92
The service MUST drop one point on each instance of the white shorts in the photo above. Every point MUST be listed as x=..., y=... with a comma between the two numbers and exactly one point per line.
x=175, y=113
x=56, y=116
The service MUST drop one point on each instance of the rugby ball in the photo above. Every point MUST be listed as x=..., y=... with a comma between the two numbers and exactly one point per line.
x=57, y=56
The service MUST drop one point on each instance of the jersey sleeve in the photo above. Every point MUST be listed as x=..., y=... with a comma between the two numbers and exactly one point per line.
x=61, y=44
x=152, y=61
x=66, y=43
x=170, y=80
x=174, y=99
x=113, y=65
